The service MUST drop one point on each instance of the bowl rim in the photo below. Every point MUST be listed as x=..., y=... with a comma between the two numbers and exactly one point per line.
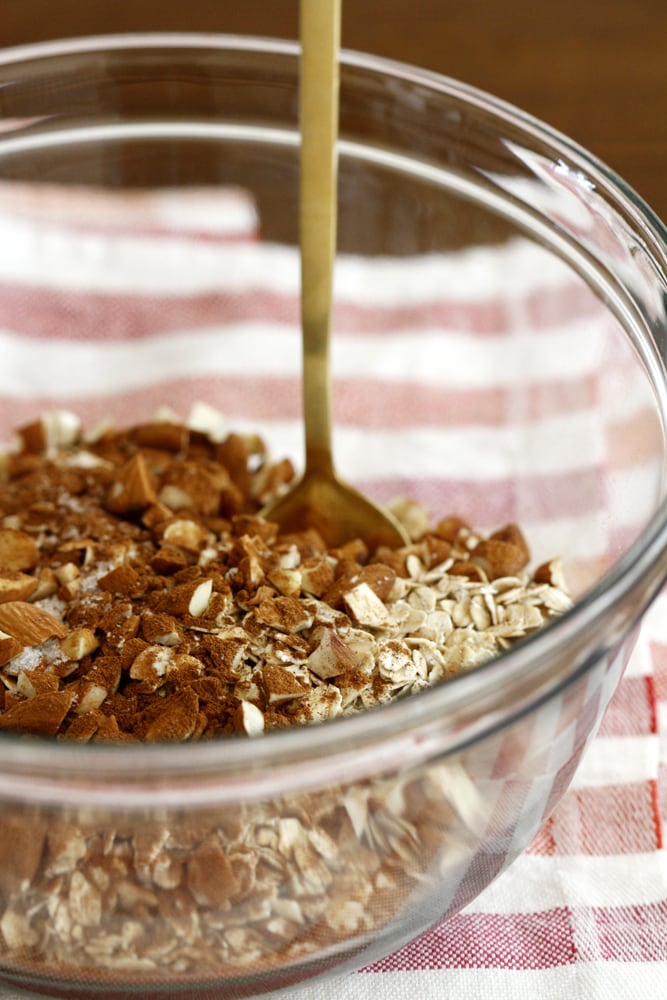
x=358, y=740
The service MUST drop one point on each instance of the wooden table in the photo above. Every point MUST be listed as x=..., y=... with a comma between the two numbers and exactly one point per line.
x=596, y=70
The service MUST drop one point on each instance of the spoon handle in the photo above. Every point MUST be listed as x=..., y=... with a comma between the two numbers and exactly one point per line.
x=319, y=78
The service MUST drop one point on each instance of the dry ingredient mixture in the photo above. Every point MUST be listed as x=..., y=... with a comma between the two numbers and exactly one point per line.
x=143, y=598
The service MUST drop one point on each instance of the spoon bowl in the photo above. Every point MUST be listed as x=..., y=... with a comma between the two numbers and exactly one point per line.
x=336, y=511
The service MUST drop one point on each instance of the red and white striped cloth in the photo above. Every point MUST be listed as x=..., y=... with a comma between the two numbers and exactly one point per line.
x=114, y=306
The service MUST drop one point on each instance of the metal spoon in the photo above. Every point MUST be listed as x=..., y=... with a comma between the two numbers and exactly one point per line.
x=319, y=499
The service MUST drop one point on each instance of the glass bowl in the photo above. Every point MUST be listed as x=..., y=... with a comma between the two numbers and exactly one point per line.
x=499, y=330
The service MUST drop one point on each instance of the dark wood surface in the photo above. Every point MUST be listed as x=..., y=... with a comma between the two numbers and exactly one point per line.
x=595, y=69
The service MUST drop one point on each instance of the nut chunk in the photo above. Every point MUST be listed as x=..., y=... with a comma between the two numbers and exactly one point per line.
x=210, y=877
x=177, y=719
x=133, y=488
x=29, y=624
x=366, y=607
x=331, y=657
x=42, y=715
x=18, y=551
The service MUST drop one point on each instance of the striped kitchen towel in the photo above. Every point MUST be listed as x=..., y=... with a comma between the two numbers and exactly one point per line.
x=113, y=305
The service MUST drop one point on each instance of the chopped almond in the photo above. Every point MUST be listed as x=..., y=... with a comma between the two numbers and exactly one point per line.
x=29, y=624
x=18, y=550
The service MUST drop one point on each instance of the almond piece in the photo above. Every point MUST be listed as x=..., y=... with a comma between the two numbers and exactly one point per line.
x=122, y=580
x=133, y=489
x=160, y=628
x=30, y=683
x=177, y=719
x=79, y=550
x=207, y=420
x=269, y=478
x=9, y=647
x=151, y=666
x=175, y=498
x=47, y=584
x=68, y=576
x=91, y=697
x=452, y=528
x=512, y=534
x=498, y=558
x=18, y=550
x=209, y=875
x=464, y=567
x=281, y=684
x=168, y=560
x=165, y=435
x=79, y=643
x=436, y=550
x=366, y=607
x=380, y=578
x=67, y=572
x=201, y=595
x=331, y=657
x=29, y=624
x=33, y=437
x=40, y=716
x=247, y=555
x=249, y=719
x=55, y=429
x=16, y=586
x=286, y=581
x=155, y=516
x=285, y=614
x=190, y=598
x=107, y=672
x=184, y=533
x=552, y=573
x=317, y=575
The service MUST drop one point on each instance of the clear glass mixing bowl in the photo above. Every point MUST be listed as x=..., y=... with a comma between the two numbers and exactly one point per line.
x=148, y=187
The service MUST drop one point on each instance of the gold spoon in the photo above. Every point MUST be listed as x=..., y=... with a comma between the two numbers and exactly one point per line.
x=319, y=499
